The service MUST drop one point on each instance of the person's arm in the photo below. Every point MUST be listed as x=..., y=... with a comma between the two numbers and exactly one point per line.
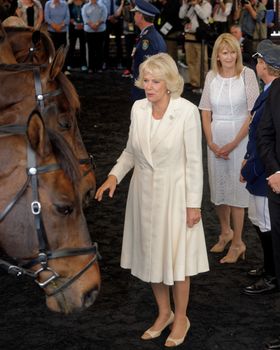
x=249, y=8
x=266, y=138
x=203, y=10
x=118, y=11
x=194, y=168
x=40, y=16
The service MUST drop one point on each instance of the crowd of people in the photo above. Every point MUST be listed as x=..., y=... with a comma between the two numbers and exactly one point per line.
x=163, y=241
x=181, y=23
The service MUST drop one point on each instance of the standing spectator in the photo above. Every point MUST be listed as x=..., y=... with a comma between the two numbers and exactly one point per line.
x=221, y=11
x=94, y=16
x=149, y=43
x=114, y=26
x=252, y=19
x=253, y=172
x=268, y=142
x=228, y=97
x=58, y=18
x=246, y=45
x=31, y=12
x=76, y=31
x=163, y=241
x=192, y=12
x=129, y=32
x=170, y=25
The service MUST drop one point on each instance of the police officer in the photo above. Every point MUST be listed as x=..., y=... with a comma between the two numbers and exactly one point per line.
x=149, y=43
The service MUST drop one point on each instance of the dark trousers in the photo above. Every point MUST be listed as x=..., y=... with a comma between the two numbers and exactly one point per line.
x=116, y=29
x=129, y=40
x=58, y=38
x=274, y=211
x=95, y=42
x=74, y=35
x=266, y=242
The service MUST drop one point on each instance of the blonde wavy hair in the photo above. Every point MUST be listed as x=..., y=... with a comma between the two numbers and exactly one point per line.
x=228, y=41
x=162, y=67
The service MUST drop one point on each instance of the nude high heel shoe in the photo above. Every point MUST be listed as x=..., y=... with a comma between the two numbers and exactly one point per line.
x=149, y=334
x=219, y=247
x=172, y=342
x=234, y=253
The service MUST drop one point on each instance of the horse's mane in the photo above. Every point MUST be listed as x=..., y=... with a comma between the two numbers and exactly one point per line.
x=65, y=157
x=69, y=91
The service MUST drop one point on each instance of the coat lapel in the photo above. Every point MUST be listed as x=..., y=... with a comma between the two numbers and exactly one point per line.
x=144, y=127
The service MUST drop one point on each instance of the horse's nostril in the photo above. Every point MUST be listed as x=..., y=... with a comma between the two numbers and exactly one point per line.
x=90, y=297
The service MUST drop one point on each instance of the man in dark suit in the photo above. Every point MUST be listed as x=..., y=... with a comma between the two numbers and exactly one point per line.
x=253, y=173
x=268, y=142
x=149, y=43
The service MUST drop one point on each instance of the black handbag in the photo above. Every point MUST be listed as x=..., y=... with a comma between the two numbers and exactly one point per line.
x=205, y=31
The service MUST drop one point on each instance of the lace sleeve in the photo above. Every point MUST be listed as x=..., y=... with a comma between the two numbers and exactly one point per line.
x=251, y=87
x=205, y=103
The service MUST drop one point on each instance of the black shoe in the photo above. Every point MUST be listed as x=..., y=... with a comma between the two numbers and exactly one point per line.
x=264, y=285
x=273, y=344
x=258, y=272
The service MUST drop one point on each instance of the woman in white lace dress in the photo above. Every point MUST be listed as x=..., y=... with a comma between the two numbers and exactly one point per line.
x=229, y=94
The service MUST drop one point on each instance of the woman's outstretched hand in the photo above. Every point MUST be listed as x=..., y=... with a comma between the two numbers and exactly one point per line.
x=110, y=184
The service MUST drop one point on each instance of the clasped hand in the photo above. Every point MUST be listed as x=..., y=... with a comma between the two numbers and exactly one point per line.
x=224, y=151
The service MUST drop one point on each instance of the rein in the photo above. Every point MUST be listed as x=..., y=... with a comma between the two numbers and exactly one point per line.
x=44, y=254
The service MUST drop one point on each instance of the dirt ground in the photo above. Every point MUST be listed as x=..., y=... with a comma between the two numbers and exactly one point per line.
x=221, y=317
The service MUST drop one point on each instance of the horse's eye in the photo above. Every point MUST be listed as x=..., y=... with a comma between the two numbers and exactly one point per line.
x=65, y=124
x=64, y=209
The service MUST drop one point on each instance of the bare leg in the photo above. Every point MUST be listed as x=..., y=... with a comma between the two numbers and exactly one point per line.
x=181, y=291
x=223, y=212
x=237, y=247
x=161, y=293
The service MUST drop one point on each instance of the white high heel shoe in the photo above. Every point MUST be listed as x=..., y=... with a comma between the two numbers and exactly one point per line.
x=172, y=342
x=149, y=334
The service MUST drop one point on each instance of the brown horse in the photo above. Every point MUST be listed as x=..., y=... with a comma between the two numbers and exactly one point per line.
x=23, y=87
x=42, y=225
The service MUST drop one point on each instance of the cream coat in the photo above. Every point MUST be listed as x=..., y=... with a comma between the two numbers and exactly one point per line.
x=157, y=244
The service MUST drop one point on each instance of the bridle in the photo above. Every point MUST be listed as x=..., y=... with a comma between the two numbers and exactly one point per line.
x=44, y=254
x=41, y=97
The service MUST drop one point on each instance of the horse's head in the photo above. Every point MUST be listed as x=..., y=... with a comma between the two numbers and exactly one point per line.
x=47, y=217
x=6, y=52
x=23, y=87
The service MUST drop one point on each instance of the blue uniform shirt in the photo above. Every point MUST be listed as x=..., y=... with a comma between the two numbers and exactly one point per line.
x=149, y=43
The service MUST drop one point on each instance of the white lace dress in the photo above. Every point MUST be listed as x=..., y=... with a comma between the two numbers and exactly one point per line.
x=229, y=100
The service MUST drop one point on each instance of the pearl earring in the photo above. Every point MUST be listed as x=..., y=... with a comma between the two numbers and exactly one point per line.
x=168, y=91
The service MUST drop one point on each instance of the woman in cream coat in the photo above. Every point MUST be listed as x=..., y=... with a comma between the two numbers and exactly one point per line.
x=163, y=239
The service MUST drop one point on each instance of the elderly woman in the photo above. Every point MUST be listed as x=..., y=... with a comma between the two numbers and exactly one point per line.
x=229, y=94
x=163, y=239
x=31, y=12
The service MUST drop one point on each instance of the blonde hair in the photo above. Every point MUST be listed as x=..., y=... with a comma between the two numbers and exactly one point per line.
x=162, y=67
x=226, y=40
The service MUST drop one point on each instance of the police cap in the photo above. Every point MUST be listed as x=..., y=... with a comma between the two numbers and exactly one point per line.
x=145, y=7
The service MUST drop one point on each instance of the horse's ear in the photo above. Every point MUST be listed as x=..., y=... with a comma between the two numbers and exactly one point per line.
x=37, y=135
x=58, y=62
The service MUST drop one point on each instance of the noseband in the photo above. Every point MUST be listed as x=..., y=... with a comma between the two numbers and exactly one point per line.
x=44, y=254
